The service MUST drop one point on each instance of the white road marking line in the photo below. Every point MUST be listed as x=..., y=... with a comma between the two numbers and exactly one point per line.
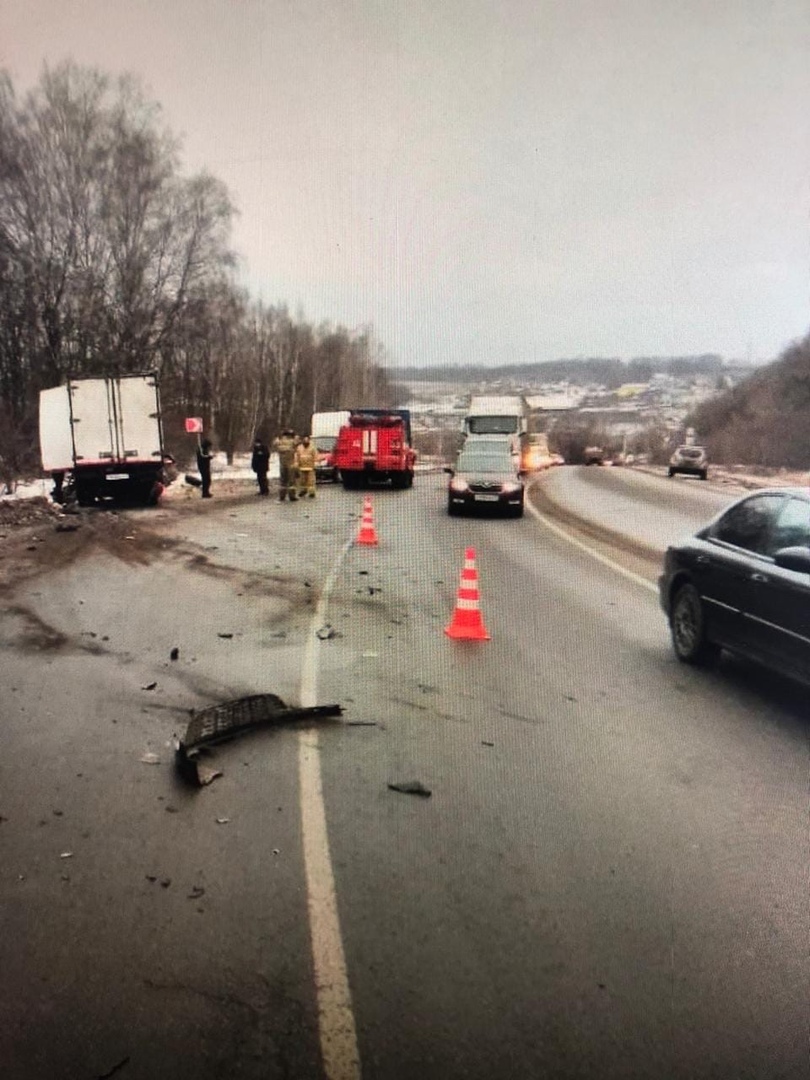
x=635, y=578
x=338, y=1035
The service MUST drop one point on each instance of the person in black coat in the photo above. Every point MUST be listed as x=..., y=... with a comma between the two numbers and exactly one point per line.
x=204, y=457
x=260, y=462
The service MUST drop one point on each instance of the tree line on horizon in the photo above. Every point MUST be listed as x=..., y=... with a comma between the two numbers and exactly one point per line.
x=114, y=261
x=610, y=372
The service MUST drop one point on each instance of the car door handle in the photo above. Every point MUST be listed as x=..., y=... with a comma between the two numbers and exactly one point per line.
x=759, y=577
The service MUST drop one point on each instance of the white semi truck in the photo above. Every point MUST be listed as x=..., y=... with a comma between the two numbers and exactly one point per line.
x=103, y=437
x=497, y=415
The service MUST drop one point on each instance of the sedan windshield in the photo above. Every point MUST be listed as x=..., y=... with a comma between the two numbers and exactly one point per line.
x=489, y=463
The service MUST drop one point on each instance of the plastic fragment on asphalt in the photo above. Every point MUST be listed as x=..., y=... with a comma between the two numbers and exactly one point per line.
x=196, y=892
x=411, y=787
x=485, y=743
x=149, y=686
x=369, y=654
x=150, y=759
x=222, y=820
x=207, y=775
x=174, y=654
x=225, y=635
x=325, y=632
x=66, y=855
x=225, y=721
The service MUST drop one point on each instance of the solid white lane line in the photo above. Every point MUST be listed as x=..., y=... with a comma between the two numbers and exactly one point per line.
x=338, y=1035
x=637, y=579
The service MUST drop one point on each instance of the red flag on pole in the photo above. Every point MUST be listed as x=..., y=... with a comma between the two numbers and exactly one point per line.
x=194, y=425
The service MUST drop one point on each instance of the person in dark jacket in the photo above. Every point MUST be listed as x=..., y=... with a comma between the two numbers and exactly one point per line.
x=204, y=458
x=260, y=462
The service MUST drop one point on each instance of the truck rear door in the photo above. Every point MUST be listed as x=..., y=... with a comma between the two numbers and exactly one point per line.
x=55, y=438
x=92, y=418
x=137, y=419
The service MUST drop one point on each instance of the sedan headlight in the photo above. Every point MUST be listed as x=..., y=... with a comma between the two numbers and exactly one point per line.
x=510, y=489
x=459, y=485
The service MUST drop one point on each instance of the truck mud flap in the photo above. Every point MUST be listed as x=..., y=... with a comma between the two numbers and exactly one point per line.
x=230, y=719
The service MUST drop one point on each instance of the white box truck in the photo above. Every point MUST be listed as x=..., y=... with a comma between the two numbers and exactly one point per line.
x=324, y=429
x=103, y=436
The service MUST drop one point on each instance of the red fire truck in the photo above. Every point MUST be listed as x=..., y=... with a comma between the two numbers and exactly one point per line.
x=375, y=445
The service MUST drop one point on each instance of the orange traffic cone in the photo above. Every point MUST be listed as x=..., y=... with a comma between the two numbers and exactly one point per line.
x=467, y=623
x=367, y=535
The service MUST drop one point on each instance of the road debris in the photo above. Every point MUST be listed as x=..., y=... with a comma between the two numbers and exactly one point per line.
x=114, y=1069
x=174, y=654
x=149, y=686
x=219, y=723
x=411, y=787
x=222, y=820
x=196, y=892
x=360, y=723
x=326, y=632
x=485, y=743
x=150, y=759
x=66, y=855
x=224, y=635
x=66, y=526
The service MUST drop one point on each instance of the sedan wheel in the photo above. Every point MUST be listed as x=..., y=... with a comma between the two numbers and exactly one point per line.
x=688, y=626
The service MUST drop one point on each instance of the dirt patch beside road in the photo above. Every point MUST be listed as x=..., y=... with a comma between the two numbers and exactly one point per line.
x=37, y=535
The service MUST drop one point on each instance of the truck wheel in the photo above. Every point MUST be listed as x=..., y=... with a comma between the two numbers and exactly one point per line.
x=85, y=496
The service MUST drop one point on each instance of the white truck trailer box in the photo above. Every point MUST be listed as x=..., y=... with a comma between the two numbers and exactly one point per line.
x=105, y=433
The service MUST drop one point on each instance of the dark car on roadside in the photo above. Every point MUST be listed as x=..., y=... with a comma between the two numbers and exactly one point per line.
x=485, y=478
x=691, y=461
x=742, y=583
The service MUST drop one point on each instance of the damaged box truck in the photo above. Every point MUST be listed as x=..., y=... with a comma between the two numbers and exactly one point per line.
x=103, y=437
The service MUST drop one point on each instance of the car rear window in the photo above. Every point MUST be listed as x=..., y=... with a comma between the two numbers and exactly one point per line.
x=749, y=524
x=691, y=452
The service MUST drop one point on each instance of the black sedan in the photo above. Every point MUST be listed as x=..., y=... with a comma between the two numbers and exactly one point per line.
x=485, y=479
x=743, y=583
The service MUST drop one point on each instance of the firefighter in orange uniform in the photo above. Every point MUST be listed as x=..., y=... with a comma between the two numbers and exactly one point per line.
x=306, y=457
x=284, y=446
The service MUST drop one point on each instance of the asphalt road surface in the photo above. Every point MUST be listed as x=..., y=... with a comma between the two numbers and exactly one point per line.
x=608, y=879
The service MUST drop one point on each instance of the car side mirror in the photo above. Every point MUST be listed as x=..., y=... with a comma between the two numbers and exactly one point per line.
x=793, y=558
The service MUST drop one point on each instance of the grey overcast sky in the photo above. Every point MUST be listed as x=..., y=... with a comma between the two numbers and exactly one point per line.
x=487, y=181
